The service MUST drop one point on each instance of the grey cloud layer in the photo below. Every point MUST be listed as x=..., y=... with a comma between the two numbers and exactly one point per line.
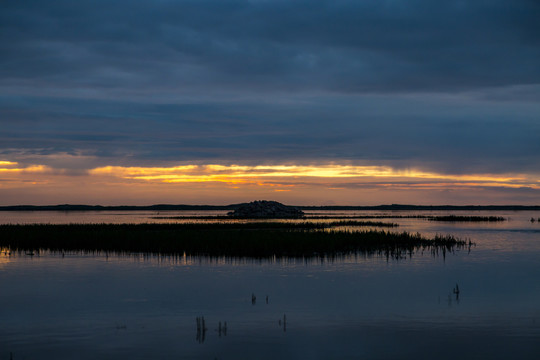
x=347, y=46
x=146, y=81
x=451, y=136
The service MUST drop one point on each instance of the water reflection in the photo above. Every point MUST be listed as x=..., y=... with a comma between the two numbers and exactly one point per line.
x=283, y=324
x=222, y=329
x=201, y=329
x=454, y=296
x=189, y=261
x=334, y=305
x=136, y=217
x=107, y=306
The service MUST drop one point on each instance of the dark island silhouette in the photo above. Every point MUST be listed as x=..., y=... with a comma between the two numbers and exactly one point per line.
x=264, y=209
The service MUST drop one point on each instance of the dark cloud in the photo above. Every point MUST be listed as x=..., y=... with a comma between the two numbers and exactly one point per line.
x=447, y=85
x=451, y=136
x=342, y=46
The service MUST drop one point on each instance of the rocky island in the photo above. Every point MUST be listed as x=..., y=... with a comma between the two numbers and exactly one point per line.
x=263, y=209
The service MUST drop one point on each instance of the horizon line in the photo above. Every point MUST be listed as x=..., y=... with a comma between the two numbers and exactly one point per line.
x=86, y=207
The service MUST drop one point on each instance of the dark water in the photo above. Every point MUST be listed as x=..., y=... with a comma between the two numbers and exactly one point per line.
x=97, y=307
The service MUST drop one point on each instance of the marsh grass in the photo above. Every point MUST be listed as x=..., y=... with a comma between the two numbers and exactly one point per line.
x=281, y=224
x=458, y=218
x=263, y=240
x=450, y=218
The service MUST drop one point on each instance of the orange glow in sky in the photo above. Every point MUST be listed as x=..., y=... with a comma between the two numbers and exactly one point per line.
x=215, y=183
x=243, y=174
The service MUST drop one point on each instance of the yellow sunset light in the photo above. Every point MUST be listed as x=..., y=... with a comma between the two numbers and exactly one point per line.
x=29, y=169
x=7, y=163
x=243, y=174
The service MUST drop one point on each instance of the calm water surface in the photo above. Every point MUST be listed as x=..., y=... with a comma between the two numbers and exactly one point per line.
x=141, y=307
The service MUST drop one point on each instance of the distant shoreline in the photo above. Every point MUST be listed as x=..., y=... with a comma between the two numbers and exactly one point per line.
x=168, y=207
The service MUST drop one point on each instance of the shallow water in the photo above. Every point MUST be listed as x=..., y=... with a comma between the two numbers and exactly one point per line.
x=141, y=307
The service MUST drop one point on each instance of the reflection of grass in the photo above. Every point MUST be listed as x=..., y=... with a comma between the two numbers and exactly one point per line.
x=234, y=240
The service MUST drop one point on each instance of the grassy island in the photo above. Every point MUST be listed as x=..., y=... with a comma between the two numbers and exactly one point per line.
x=256, y=240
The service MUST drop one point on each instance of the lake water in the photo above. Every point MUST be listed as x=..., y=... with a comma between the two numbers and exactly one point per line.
x=146, y=307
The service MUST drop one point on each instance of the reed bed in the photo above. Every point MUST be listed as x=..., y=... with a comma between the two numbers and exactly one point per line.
x=281, y=224
x=450, y=218
x=220, y=240
x=454, y=218
x=458, y=218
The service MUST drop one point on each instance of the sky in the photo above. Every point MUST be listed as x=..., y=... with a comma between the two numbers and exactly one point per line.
x=317, y=102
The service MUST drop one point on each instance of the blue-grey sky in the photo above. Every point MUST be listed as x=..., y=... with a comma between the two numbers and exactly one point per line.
x=447, y=87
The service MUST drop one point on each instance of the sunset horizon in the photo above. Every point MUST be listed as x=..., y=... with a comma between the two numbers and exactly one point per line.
x=269, y=179
x=322, y=184
x=353, y=103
